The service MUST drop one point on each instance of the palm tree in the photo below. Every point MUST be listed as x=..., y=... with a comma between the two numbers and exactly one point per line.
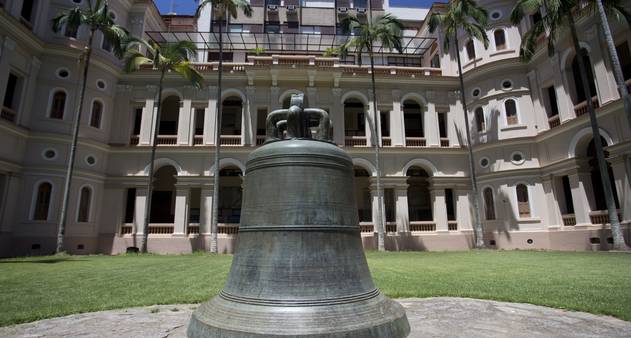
x=222, y=8
x=165, y=59
x=97, y=17
x=614, y=8
x=470, y=18
x=559, y=16
x=387, y=30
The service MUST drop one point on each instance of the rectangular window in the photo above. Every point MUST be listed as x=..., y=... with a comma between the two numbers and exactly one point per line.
x=199, y=121
x=442, y=124
x=137, y=121
x=9, y=94
x=214, y=56
x=130, y=206
x=435, y=62
x=261, y=116
x=625, y=59
x=449, y=201
x=470, y=50
x=385, y=124
x=553, y=107
x=27, y=10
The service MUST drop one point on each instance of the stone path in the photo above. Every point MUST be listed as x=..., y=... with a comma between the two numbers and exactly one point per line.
x=430, y=317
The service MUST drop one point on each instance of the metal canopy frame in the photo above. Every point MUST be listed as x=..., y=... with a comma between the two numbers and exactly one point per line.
x=283, y=42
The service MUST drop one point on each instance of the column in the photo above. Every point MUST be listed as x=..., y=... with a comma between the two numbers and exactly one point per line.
x=185, y=118
x=371, y=122
x=439, y=208
x=605, y=82
x=337, y=117
x=579, y=197
x=621, y=167
x=139, y=218
x=463, y=209
x=274, y=93
x=564, y=100
x=25, y=109
x=397, y=126
x=210, y=117
x=146, y=126
x=430, y=126
x=10, y=202
x=401, y=207
x=552, y=215
x=181, y=209
x=250, y=117
x=206, y=209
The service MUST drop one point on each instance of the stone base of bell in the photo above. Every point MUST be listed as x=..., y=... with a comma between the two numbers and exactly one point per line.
x=377, y=317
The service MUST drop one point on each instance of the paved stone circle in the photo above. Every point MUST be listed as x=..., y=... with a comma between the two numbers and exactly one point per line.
x=429, y=317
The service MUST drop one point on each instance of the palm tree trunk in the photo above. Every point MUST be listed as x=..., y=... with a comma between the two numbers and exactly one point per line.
x=615, y=61
x=214, y=246
x=374, y=127
x=618, y=239
x=477, y=223
x=154, y=146
x=61, y=231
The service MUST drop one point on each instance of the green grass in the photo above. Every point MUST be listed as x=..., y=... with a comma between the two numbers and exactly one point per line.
x=44, y=287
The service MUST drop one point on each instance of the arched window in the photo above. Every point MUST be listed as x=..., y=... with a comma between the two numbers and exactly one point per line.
x=84, y=205
x=42, y=202
x=500, y=39
x=97, y=112
x=470, y=50
x=479, y=119
x=511, y=112
x=58, y=105
x=522, y=201
x=489, y=204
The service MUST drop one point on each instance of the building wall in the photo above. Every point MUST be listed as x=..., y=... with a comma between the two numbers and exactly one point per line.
x=111, y=159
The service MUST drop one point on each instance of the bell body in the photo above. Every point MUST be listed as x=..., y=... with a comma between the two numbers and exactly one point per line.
x=299, y=268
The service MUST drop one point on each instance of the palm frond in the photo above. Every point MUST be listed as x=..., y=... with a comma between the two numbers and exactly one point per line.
x=117, y=37
x=135, y=60
x=188, y=71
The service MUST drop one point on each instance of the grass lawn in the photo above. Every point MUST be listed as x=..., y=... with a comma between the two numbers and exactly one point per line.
x=44, y=287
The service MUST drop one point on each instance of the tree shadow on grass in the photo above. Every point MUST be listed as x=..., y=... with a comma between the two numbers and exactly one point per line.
x=52, y=260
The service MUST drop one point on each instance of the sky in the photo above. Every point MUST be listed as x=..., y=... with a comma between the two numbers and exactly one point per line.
x=188, y=6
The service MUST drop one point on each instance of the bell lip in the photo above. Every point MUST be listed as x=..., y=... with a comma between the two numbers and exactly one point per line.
x=372, y=318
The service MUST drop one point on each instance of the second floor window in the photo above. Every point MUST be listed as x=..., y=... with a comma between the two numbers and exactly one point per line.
x=479, y=119
x=500, y=39
x=470, y=50
x=511, y=112
x=97, y=112
x=58, y=105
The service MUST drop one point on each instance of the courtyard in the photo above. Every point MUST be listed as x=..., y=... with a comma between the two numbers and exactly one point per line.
x=45, y=287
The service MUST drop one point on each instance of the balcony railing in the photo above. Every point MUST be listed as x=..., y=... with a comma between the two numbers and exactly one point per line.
x=422, y=226
x=230, y=140
x=367, y=228
x=581, y=108
x=356, y=141
x=415, y=142
x=569, y=220
x=166, y=140
x=386, y=142
x=444, y=142
x=134, y=140
x=8, y=114
x=391, y=227
x=601, y=217
x=260, y=140
x=452, y=226
x=198, y=140
x=127, y=229
x=193, y=229
x=161, y=229
x=554, y=121
x=228, y=229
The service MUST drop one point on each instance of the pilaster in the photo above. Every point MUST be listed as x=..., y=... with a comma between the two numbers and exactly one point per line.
x=580, y=200
x=141, y=200
x=397, y=128
x=147, y=126
x=185, y=117
x=250, y=117
x=181, y=209
x=206, y=208
x=430, y=125
x=337, y=116
x=210, y=117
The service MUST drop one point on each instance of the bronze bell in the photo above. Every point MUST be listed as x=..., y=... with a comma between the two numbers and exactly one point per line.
x=299, y=268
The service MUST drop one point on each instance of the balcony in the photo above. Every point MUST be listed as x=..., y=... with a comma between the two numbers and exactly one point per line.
x=192, y=229
x=166, y=140
x=569, y=220
x=230, y=140
x=355, y=141
x=8, y=114
x=228, y=229
x=415, y=142
x=582, y=108
x=422, y=226
x=452, y=226
x=161, y=229
x=386, y=142
x=444, y=142
x=198, y=140
x=554, y=121
x=601, y=217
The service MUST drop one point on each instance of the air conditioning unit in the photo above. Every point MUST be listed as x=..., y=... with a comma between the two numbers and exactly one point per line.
x=291, y=8
x=342, y=10
x=361, y=10
x=272, y=8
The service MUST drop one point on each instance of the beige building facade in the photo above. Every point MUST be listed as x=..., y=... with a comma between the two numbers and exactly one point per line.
x=539, y=185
